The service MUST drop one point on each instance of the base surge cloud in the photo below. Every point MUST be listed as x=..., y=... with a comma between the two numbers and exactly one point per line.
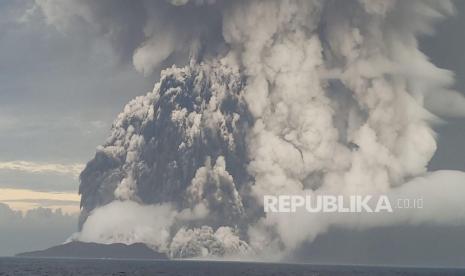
x=273, y=97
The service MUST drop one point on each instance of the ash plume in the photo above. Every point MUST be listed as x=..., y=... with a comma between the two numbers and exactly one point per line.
x=271, y=97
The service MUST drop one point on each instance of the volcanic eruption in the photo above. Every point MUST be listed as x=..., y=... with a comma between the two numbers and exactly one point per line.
x=268, y=97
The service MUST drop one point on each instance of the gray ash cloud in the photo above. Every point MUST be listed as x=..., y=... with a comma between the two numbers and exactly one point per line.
x=269, y=97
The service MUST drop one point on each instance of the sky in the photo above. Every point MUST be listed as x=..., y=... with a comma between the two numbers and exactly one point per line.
x=58, y=97
x=445, y=49
x=59, y=94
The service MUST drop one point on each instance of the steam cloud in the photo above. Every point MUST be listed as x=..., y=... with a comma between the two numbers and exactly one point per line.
x=275, y=97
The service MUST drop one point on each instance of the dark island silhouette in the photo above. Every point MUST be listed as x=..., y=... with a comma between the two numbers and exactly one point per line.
x=97, y=251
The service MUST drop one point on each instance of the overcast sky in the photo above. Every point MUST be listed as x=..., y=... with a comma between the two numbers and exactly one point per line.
x=58, y=97
x=59, y=94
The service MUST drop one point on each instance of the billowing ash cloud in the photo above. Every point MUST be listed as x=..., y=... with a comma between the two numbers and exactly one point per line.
x=278, y=97
x=143, y=32
x=183, y=144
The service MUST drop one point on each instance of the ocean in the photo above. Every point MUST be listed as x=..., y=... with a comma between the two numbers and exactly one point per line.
x=87, y=267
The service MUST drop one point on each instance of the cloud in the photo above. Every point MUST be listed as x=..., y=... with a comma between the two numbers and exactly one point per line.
x=59, y=92
x=36, y=229
x=445, y=208
x=38, y=182
x=24, y=200
x=446, y=103
x=44, y=202
x=128, y=222
x=294, y=96
x=146, y=33
x=42, y=168
x=10, y=194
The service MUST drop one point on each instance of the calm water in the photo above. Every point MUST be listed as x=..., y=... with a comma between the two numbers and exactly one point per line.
x=26, y=266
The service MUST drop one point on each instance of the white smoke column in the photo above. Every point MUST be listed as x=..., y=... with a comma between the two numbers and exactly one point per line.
x=296, y=54
x=128, y=222
x=293, y=138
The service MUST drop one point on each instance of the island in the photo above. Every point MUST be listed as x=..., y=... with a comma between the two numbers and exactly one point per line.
x=86, y=250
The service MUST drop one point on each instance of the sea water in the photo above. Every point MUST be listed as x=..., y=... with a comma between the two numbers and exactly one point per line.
x=32, y=266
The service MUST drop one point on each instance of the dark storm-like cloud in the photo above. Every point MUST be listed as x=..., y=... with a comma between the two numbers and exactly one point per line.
x=145, y=33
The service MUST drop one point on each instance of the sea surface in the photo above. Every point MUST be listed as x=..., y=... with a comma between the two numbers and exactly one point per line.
x=30, y=266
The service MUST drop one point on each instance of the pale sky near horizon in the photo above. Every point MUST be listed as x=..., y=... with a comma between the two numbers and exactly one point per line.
x=24, y=199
